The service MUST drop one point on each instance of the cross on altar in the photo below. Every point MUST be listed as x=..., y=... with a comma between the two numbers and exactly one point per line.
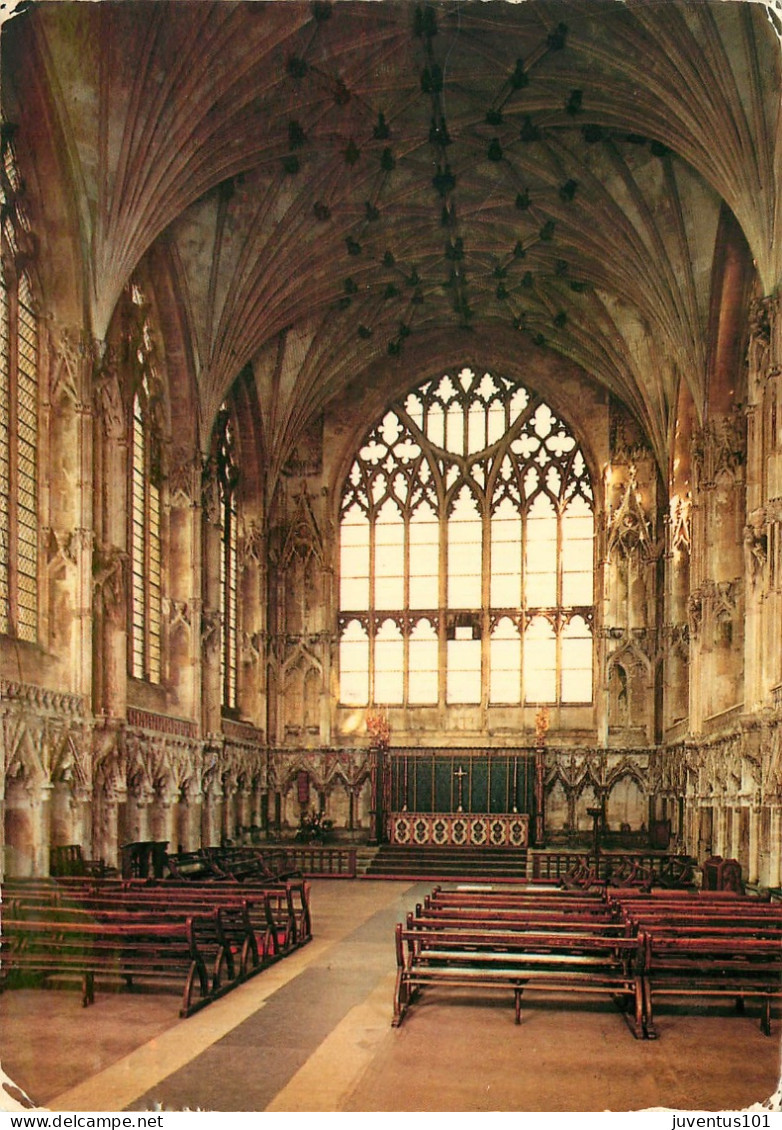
x=459, y=774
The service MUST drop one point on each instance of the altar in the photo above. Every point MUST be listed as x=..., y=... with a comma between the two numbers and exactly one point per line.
x=459, y=829
x=459, y=798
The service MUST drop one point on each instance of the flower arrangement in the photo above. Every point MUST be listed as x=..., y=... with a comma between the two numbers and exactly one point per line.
x=378, y=729
x=541, y=725
x=314, y=828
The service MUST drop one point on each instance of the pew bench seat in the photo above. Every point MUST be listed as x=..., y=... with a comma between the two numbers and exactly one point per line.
x=492, y=959
x=710, y=966
x=169, y=954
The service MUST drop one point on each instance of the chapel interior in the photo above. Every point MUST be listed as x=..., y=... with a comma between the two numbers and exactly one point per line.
x=391, y=379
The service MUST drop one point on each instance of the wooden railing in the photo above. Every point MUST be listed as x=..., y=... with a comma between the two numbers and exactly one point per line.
x=556, y=864
x=313, y=860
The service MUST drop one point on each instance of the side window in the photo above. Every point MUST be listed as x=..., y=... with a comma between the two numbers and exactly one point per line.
x=18, y=417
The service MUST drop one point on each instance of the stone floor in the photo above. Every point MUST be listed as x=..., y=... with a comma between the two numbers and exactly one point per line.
x=312, y=1033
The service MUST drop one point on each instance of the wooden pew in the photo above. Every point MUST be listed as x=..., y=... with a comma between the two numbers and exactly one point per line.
x=164, y=952
x=560, y=903
x=250, y=921
x=523, y=921
x=711, y=944
x=227, y=937
x=710, y=966
x=553, y=962
x=258, y=924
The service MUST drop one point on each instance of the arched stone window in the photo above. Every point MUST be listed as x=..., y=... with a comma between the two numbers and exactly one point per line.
x=18, y=414
x=466, y=552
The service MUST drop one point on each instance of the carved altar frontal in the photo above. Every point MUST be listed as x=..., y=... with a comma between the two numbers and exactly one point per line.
x=459, y=829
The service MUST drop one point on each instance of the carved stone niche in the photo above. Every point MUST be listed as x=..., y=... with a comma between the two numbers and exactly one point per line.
x=725, y=606
x=70, y=349
x=184, y=469
x=109, y=567
x=629, y=526
x=695, y=613
x=763, y=317
x=755, y=549
x=719, y=448
x=107, y=393
x=211, y=626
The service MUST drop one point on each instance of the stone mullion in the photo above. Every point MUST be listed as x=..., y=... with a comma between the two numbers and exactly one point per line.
x=602, y=621
x=443, y=604
x=485, y=616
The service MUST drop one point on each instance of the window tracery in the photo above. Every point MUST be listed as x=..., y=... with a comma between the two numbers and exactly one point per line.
x=466, y=553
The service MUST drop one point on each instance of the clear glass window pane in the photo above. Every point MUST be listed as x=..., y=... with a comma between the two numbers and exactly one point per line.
x=463, y=683
x=354, y=665
x=424, y=535
x=577, y=554
x=389, y=557
x=576, y=651
x=465, y=553
x=506, y=556
x=389, y=664
x=424, y=664
x=540, y=662
x=505, y=658
x=541, y=553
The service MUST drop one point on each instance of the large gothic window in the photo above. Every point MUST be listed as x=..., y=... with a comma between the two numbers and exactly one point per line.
x=466, y=553
x=18, y=416
x=227, y=479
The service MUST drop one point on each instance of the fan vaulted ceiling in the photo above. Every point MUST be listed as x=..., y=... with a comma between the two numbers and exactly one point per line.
x=350, y=178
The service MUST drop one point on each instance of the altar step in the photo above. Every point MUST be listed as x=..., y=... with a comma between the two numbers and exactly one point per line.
x=394, y=861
